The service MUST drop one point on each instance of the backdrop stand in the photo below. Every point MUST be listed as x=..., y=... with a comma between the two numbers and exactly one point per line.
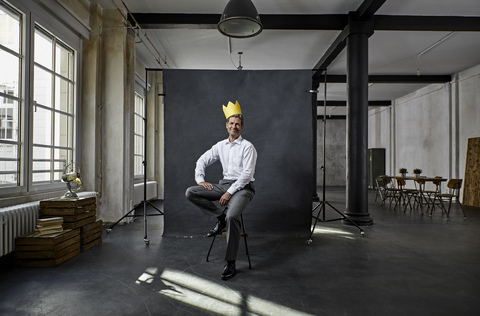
x=144, y=202
x=322, y=205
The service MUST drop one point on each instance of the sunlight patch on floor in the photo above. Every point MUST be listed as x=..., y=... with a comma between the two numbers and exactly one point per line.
x=335, y=232
x=211, y=296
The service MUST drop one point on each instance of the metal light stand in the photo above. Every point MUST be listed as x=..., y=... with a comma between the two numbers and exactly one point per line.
x=323, y=203
x=144, y=202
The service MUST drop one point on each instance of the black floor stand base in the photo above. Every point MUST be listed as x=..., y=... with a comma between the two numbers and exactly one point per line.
x=144, y=203
x=322, y=206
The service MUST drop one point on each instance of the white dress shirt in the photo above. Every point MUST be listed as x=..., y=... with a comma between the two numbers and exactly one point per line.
x=238, y=160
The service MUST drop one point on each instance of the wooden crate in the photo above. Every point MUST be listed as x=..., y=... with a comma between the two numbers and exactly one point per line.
x=68, y=203
x=75, y=212
x=91, y=235
x=47, y=250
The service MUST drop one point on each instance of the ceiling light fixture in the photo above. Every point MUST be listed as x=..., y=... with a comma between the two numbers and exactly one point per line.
x=240, y=19
x=240, y=61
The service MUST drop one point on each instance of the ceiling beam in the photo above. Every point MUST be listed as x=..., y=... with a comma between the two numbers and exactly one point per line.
x=304, y=21
x=332, y=52
x=368, y=8
x=332, y=117
x=313, y=22
x=344, y=103
x=175, y=20
x=427, y=23
x=365, y=12
x=423, y=79
x=269, y=21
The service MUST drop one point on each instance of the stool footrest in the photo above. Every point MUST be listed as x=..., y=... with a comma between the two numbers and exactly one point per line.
x=243, y=234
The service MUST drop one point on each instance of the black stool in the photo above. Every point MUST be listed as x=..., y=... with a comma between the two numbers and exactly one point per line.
x=243, y=234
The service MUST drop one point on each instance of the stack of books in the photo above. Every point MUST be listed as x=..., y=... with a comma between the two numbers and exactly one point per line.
x=50, y=225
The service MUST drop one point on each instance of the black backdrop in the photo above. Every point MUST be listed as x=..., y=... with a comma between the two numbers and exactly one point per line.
x=277, y=112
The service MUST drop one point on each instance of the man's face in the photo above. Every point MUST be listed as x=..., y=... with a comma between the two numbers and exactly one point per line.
x=234, y=127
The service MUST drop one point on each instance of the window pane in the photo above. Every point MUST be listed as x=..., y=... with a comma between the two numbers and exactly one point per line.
x=8, y=165
x=61, y=158
x=42, y=127
x=64, y=61
x=43, y=49
x=138, y=105
x=63, y=95
x=138, y=145
x=138, y=165
x=9, y=128
x=63, y=130
x=42, y=87
x=41, y=164
x=138, y=125
x=9, y=79
x=9, y=29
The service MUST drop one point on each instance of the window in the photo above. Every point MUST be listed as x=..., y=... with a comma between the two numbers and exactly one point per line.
x=37, y=98
x=53, y=114
x=139, y=130
x=11, y=65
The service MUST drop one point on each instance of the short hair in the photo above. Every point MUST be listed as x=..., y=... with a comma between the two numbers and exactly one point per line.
x=240, y=116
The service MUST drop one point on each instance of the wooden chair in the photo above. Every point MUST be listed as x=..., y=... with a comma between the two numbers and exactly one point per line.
x=425, y=195
x=380, y=183
x=389, y=191
x=243, y=234
x=454, y=185
x=406, y=194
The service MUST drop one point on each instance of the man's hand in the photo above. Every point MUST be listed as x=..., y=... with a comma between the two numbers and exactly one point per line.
x=224, y=199
x=206, y=185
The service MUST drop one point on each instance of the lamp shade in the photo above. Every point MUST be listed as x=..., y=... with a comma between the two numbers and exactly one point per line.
x=240, y=19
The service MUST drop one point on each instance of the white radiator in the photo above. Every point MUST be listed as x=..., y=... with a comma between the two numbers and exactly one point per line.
x=138, y=193
x=18, y=220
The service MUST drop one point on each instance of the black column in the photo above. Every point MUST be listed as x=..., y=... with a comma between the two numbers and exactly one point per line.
x=357, y=123
x=314, y=91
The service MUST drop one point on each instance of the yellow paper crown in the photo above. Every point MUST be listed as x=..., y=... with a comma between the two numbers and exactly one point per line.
x=232, y=109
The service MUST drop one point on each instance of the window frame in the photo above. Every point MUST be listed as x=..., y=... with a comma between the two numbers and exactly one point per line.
x=36, y=14
x=139, y=93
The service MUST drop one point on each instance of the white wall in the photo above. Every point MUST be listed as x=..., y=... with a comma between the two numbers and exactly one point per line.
x=468, y=83
x=429, y=128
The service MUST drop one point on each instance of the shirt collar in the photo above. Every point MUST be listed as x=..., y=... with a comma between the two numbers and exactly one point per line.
x=237, y=141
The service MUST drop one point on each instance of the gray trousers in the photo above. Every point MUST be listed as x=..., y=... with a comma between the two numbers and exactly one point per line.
x=204, y=198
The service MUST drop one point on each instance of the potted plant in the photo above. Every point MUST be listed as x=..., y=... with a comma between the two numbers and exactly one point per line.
x=417, y=172
x=403, y=172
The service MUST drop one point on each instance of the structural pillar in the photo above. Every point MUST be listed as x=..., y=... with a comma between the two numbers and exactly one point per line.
x=118, y=97
x=314, y=92
x=357, y=122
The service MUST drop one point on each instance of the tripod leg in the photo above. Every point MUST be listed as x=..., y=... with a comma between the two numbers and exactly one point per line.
x=126, y=215
x=145, y=239
x=322, y=205
x=149, y=203
x=348, y=219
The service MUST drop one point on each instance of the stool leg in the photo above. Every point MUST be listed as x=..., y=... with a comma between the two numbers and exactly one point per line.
x=211, y=246
x=246, y=245
x=244, y=238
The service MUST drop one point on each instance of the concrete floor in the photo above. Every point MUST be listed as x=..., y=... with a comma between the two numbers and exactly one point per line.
x=407, y=264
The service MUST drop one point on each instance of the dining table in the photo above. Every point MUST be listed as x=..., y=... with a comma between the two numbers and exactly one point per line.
x=420, y=184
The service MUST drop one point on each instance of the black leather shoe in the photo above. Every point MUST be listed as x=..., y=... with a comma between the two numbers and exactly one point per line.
x=228, y=271
x=219, y=227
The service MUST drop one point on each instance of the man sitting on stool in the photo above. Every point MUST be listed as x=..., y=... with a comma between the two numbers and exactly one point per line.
x=238, y=158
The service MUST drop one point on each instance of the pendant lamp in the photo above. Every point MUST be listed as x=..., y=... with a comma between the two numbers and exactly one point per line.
x=240, y=19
